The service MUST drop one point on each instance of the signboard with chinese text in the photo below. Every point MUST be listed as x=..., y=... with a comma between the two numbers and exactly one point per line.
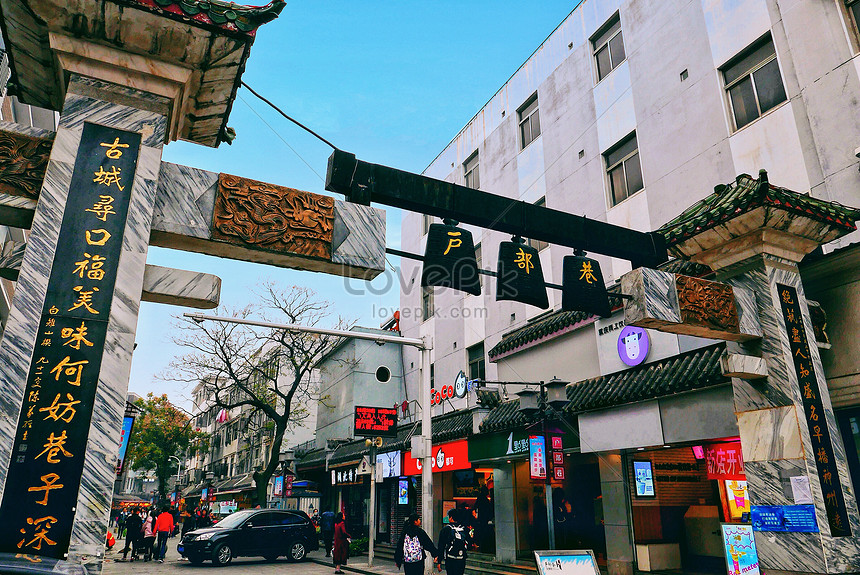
x=725, y=461
x=566, y=563
x=785, y=518
x=498, y=445
x=739, y=545
x=813, y=413
x=446, y=457
x=583, y=288
x=127, y=425
x=346, y=476
x=51, y=438
x=278, y=488
x=537, y=457
x=375, y=421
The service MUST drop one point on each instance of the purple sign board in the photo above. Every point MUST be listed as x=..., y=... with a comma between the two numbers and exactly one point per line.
x=633, y=345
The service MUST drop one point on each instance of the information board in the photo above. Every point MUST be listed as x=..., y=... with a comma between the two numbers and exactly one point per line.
x=741, y=554
x=375, y=421
x=578, y=562
x=786, y=518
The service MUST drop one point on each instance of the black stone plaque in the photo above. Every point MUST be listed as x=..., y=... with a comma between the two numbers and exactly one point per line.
x=583, y=287
x=813, y=411
x=520, y=277
x=46, y=466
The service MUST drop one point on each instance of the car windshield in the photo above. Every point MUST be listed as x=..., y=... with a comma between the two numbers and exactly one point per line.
x=233, y=520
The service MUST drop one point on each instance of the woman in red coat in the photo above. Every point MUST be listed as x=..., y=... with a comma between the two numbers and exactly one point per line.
x=341, y=543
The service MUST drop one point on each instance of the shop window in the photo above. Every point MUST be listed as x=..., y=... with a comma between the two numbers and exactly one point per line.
x=529, y=119
x=753, y=83
x=608, y=45
x=623, y=170
x=470, y=172
x=477, y=367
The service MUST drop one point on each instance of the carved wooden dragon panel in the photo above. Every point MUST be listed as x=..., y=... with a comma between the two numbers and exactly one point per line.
x=273, y=218
x=706, y=303
x=23, y=161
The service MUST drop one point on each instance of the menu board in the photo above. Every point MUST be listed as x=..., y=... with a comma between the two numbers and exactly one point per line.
x=741, y=554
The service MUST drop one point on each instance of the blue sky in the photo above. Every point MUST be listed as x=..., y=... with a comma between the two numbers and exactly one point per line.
x=392, y=82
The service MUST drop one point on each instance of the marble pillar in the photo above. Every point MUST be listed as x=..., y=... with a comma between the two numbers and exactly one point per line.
x=505, y=521
x=115, y=106
x=616, y=521
x=774, y=433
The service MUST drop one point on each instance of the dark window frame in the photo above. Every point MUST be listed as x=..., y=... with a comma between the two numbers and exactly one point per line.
x=608, y=41
x=528, y=120
x=479, y=362
x=743, y=82
x=471, y=171
x=625, y=163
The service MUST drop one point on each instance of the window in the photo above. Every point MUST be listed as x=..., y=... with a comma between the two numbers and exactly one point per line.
x=426, y=221
x=538, y=244
x=470, y=170
x=432, y=375
x=426, y=303
x=529, y=121
x=622, y=167
x=854, y=9
x=753, y=83
x=476, y=361
x=608, y=47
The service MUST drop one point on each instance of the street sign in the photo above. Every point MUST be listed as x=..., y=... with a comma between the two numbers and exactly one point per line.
x=583, y=288
x=520, y=277
x=375, y=421
x=449, y=260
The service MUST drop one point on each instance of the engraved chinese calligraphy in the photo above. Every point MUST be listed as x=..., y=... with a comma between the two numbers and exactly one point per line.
x=50, y=443
x=813, y=410
x=273, y=218
x=23, y=161
x=707, y=303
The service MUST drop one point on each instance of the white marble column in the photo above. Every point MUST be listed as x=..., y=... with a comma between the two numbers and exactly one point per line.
x=87, y=100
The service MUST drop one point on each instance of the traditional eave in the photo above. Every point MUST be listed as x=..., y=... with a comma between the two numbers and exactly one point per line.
x=226, y=16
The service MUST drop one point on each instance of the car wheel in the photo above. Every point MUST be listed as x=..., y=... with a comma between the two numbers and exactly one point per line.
x=298, y=551
x=222, y=555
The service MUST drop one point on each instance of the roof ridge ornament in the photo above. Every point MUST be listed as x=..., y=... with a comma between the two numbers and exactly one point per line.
x=226, y=15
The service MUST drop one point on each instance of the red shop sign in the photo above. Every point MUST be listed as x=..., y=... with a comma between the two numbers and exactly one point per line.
x=446, y=457
x=725, y=461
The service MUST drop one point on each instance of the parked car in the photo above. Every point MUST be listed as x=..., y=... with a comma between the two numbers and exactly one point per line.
x=268, y=533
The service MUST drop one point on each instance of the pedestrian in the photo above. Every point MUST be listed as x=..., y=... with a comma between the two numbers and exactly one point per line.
x=484, y=514
x=120, y=524
x=163, y=529
x=189, y=521
x=148, y=535
x=133, y=535
x=454, y=540
x=413, y=546
x=342, y=539
x=327, y=530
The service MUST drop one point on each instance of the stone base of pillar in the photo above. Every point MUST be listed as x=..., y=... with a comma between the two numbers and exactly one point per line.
x=616, y=567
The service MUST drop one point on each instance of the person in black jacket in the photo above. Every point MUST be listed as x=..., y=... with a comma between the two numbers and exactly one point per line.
x=413, y=546
x=133, y=535
x=454, y=540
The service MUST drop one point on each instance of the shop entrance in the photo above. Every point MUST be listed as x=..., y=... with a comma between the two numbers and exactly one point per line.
x=680, y=496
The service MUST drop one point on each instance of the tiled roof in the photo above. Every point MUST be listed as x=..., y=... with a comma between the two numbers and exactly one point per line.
x=744, y=195
x=561, y=321
x=448, y=427
x=216, y=13
x=697, y=369
x=507, y=416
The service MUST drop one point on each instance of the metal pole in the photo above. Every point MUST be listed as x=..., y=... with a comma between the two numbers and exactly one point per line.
x=427, y=460
x=371, y=527
x=550, y=508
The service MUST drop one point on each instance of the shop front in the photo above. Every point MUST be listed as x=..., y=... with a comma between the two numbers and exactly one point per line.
x=353, y=497
x=390, y=464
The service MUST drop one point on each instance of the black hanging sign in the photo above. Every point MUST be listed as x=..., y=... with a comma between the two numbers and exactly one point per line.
x=375, y=421
x=449, y=260
x=583, y=287
x=520, y=277
x=46, y=465
x=813, y=410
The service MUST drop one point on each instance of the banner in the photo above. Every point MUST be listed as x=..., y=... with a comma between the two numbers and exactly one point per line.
x=446, y=457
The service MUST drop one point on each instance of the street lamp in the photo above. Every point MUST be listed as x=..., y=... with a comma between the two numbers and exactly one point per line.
x=285, y=459
x=423, y=345
x=178, y=473
x=552, y=395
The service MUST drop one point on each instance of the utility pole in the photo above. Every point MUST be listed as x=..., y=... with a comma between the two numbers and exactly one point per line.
x=371, y=526
x=550, y=508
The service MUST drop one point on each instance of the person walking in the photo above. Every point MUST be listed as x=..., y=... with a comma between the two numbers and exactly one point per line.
x=163, y=529
x=413, y=546
x=342, y=539
x=132, y=535
x=327, y=530
x=148, y=535
x=189, y=521
x=454, y=540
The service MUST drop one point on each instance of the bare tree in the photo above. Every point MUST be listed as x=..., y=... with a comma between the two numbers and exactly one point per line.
x=267, y=372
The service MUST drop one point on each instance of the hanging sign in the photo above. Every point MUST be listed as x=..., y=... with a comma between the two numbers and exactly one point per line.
x=520, y=277
x=537, y=457
x=461, y=385
x=375, y=421
x=446, y=457
x=127, y=425
x=449, y=260
x=725, y=461
x=278, y=488
x=813, y=410
x=50, y=442
x=633, y=345
x=583, y=288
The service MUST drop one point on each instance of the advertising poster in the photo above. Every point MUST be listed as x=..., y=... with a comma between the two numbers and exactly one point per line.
x=278, y=489
x=403, y=492
x=390, y=463
x=644, y=476
x=537, y=457
x=736, y=493
x=127, y=424
x=741, y=555
x=566, y=563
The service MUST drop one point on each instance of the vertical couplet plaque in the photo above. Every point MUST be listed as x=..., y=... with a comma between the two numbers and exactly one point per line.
x=47, y=459
x=813, y=413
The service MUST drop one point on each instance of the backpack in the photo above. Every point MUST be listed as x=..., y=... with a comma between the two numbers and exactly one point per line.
x=412, y=550
x=456, y=548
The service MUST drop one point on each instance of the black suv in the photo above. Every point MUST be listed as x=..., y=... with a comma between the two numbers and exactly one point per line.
x=268, y=533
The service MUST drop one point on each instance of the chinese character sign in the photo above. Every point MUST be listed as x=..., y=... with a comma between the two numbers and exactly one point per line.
x=376, y=421
x=725, y=461
x=520, y=277
x=51, y=438
x=813, y=410
x=450, y=260
x=583, y=288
